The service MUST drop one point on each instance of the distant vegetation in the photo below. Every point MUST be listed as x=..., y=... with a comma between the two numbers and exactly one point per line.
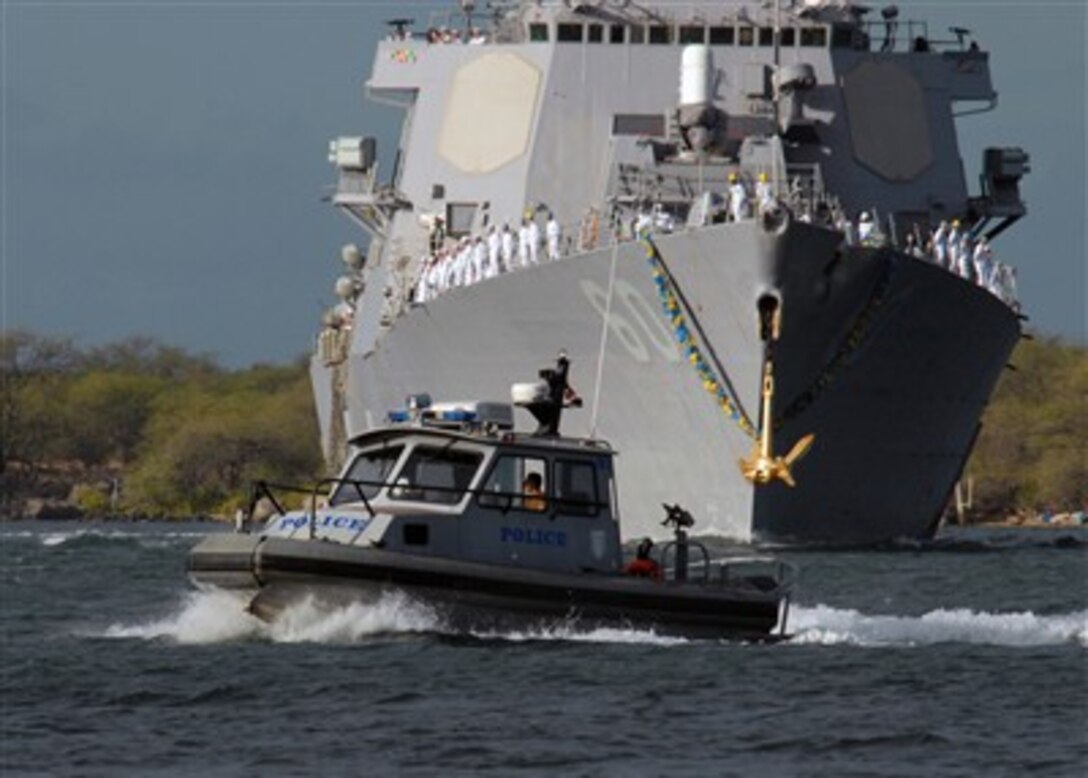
x=141, y=429
x=1032, y=454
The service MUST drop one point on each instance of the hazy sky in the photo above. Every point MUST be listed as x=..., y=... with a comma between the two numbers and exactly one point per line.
x=163, y=163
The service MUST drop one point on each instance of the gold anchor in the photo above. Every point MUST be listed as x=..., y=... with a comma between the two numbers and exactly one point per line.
x=762, y=467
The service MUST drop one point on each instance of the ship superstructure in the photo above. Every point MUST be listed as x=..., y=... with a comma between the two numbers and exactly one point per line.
x=751, y=217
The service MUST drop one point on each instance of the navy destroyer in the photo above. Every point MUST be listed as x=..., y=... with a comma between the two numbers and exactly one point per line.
x=751, y=218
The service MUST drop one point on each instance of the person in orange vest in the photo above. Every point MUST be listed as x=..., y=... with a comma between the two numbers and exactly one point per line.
x=533, y=498
x=643, y=565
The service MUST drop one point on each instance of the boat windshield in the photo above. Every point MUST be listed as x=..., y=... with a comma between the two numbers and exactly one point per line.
x=366, y=475
x=436, y=475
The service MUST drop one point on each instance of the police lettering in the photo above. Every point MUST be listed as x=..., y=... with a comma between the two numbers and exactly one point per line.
x=349, y=523
x=533, y=537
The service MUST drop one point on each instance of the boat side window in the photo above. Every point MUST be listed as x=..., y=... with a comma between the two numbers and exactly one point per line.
x=766, y=36
x=789, y=36
x=538, y=33
x=440, y=475
x=368, y=471
x=637, y=34
x=565, y=32
x=595, y=33
x=616, y=33
x=691, y=34
x=516, y=482
x=576, y=492
x=721, y=36
x=746, y=36
x=660, y=33
x=814, y=37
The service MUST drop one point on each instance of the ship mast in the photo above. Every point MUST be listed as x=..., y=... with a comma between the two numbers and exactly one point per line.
x=777, y=94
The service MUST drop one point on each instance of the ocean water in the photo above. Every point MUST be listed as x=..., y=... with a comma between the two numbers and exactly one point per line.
x=965, y=656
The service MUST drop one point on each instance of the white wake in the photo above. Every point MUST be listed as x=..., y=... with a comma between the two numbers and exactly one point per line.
x=217, y=616
x=832, y=626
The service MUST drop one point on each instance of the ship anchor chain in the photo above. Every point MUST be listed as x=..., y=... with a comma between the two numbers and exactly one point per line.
x=762, y=467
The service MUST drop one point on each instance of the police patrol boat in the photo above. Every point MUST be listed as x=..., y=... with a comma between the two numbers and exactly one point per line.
x=493, y=529
x=794, y=218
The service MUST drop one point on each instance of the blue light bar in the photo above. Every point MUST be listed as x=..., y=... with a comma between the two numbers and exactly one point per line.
x=398, y=417
x=456, y=415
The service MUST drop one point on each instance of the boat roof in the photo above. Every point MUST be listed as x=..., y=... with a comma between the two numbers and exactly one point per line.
x=499, y=439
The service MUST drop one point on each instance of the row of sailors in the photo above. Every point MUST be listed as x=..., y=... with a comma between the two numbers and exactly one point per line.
x=951, y=247
x=972, y=259
x=739, y=204
x=476, y=259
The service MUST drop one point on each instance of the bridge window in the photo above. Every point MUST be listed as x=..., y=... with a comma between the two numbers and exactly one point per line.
x=595, y=33
x=747, y=36
x=459, y=218
x=637, y=34
x=789, y=36
x=660, y=33
x=516, y=483
x=576, y=488
x=650, y=124
x=538, y=32
x=616, y=33
x=568, y=33
x=721, y=36
x=766, y=36
x=368, y=473
x=814, y=37
x=691, y=34
x=439, y=475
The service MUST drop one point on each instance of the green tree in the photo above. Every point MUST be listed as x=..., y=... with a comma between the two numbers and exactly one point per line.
x=204, y=447
x=106, y=412
x=1033, y=450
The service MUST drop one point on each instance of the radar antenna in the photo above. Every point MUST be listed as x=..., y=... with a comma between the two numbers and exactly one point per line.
x=400, y=27
x=961, y=33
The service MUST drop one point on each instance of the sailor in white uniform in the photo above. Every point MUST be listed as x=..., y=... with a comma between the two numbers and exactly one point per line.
x=764, y=194
x=462, y=274
x=434, y=278
x=419, y=290
x=956, y=263
x=507, y=246
x=866, y=228
x=983, y=260
x=494, y=245
x=479, y=259
x=553, y=234
x=534, y=242
x=449, y=271
x=523, y=243
x=738, y=198
x=940, y=245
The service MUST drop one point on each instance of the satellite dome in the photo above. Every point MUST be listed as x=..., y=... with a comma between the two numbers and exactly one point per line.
x=345, y=288
x=351, y=256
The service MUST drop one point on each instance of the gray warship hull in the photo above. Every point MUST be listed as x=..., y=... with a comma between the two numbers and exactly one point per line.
x=567, y=116
x=887, y=359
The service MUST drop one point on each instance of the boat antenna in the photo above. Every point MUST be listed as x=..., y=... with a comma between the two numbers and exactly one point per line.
x=605, y=326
